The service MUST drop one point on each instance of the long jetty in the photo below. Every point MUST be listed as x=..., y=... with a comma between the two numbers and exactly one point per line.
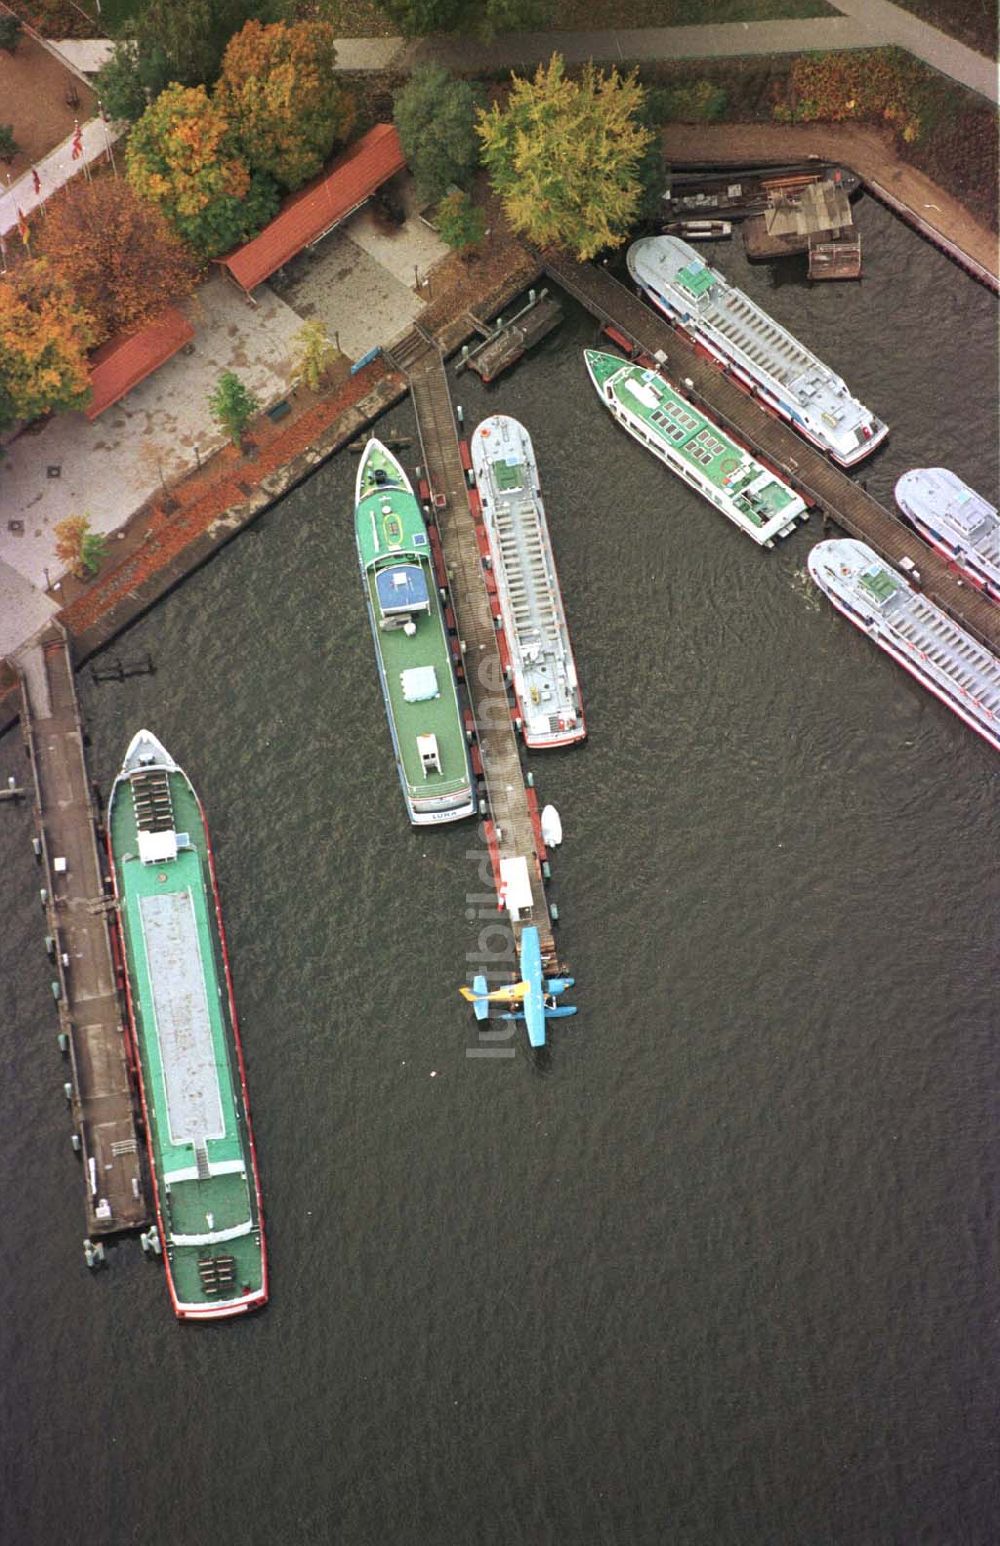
x=76, y=908
x=842, y=500
x=510, y=818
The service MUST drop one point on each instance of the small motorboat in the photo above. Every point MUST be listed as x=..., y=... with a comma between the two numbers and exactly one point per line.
x=551, y=827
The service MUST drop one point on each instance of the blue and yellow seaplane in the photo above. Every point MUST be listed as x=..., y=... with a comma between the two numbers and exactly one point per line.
x=534, y=999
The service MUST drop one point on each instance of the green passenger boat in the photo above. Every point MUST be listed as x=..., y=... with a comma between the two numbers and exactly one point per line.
x=186, y=1039
x=411, y=643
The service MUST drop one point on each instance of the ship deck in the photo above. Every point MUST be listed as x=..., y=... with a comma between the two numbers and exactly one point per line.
x=762, y=501
x=182, y=1012
x=438, y=716
x=186, y=1049
x=527, y=586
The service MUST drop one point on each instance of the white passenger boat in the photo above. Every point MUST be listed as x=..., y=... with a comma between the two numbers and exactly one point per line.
x=916, y=633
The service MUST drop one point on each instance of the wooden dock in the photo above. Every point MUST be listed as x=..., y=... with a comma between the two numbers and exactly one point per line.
x=509, y=819
x=841, y=499
x=77, y=912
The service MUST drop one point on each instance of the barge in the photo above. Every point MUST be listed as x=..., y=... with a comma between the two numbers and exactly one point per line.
x=415, y=664
x=959, y=523
x=695, y=448
x=742, y=192
x=186, y=1039
x=545, y=683
x=757, y=351
x=922, y=638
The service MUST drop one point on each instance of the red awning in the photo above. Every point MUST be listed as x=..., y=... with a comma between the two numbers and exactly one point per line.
x=120, y=364
x=319, y=206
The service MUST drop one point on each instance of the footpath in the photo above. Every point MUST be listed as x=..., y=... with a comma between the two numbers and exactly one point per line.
x=862, y=24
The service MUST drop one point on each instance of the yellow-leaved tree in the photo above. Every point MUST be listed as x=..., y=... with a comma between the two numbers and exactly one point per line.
x=44, y=337
x=563, y=155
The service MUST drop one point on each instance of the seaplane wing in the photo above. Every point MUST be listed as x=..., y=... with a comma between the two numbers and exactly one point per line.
x=515, y=992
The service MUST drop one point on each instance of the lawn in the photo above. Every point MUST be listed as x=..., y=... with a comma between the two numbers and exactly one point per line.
x=363, y=18
x=971, y=21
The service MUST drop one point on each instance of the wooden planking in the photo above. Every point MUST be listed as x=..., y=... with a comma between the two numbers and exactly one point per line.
x=813, y=474
x=89, y=1008
x=506, y=793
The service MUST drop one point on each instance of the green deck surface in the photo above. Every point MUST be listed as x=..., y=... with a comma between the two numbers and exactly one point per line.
x=398, y=521
x=184, y=1204
x=880, y=584
x=673, y=420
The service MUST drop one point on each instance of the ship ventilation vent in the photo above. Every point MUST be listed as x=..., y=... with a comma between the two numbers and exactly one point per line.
x=216, y=1272
x=151, y=801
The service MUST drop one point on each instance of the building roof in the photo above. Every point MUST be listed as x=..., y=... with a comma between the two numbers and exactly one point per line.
x=120, y=364
x=319, y=206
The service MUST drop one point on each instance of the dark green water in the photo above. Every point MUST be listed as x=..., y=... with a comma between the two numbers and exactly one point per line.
x=723, y=1270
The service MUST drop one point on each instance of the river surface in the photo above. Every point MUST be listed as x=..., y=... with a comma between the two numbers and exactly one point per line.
x=724, y=1268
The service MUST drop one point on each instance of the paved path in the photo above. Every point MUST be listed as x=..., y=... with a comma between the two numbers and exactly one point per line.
x=865, y=24
x=55, y=169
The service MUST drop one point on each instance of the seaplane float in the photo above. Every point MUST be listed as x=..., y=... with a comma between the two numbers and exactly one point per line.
x=533, y=1000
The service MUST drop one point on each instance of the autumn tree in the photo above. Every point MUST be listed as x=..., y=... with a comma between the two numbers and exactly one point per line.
x=460, y=222
x=316, y=354
x=183, y=156
x=44, y=336
x=232, y=405
x=436, y=118
x=117, y=253
x=79, y=548
x=279, y=89
x=564, y=154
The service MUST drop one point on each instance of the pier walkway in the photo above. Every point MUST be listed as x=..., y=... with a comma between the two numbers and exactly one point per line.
x=77, y=910
x=510, y=829
x=812, y=473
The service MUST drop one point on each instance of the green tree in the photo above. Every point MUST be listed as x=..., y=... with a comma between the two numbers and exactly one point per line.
x=8, y=144
x=563, y=155
x=10, y=32
x=435, y=116
x=183, y=155
x=279, y=89
x=316, y=354
x=44, y=337
x=418, y=17
x=232, y=405
x=513, y=16
x=120, y=85
x=184, y=40
x=460, y=222
x=92, y=553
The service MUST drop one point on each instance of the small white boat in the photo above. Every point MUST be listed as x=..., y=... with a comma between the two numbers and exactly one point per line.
x=551, y=827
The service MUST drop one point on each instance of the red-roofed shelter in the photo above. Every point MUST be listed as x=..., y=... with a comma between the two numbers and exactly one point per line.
x=120, y=364
x=320, y=206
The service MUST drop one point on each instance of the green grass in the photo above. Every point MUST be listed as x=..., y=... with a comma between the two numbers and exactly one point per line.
x=973, y=22
x=363, y=18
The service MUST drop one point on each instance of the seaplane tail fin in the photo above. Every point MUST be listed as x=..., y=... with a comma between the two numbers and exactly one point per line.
x=517, y=990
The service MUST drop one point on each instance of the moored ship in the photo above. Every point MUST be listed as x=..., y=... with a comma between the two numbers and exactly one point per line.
x=696, y=448
x=411, y=643
x=758, y=352
x=954, y=519
x=916, y=633
x=545, y=684
x=186, y=1037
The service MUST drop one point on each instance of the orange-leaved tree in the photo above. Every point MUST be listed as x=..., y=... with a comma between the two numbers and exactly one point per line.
x=279, y=89
x=44, y=337
x=184, y=157
x=117, y=252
